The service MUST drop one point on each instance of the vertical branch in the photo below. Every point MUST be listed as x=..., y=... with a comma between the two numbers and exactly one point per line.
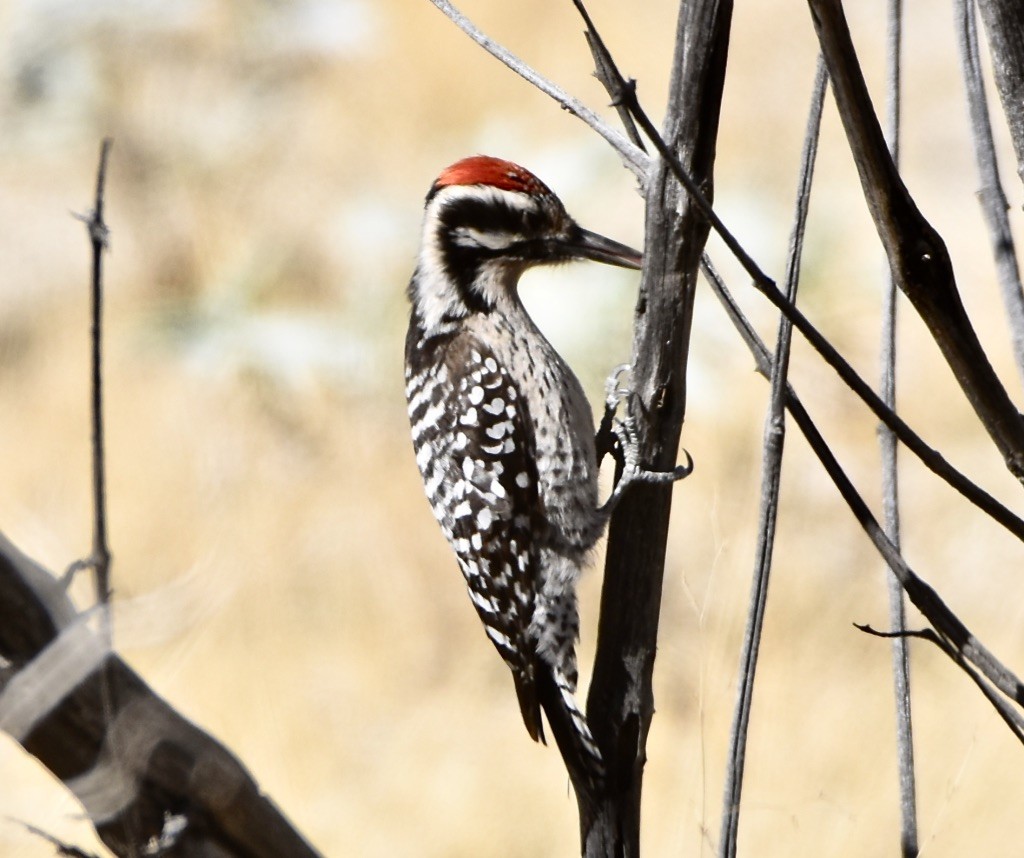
x=620, y=704
x=993, y=200
x=890, y=477
x=98, y=236
x=771, y=475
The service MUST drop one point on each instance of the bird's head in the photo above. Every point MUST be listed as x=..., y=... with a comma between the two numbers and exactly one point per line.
x=487, y=221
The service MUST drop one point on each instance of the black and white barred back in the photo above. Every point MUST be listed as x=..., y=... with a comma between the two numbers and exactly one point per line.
x=503, y=434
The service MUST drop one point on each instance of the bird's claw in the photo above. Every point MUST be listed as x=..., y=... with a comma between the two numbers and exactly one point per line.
x=628, y=450
x=679, y=472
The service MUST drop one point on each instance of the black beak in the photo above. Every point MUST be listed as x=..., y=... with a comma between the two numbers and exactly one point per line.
x=584, y=244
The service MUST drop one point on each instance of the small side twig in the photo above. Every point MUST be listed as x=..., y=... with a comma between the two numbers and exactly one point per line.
x=604, y=71
x=1011, y=717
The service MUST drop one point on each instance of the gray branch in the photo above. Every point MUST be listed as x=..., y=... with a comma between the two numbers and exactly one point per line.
x=621, y=702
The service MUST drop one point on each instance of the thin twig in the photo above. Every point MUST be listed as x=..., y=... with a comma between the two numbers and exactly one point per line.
x=943, y=620
x=993, y=199
x=100, y=558
x=890, y=478
x=99, y=237
x=633, y=157
x=771, y=475
x=604, y=67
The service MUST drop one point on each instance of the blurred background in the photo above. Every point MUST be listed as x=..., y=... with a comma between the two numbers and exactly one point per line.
x=279, y=577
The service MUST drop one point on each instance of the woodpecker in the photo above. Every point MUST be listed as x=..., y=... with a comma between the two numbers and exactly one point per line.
x=502, y=431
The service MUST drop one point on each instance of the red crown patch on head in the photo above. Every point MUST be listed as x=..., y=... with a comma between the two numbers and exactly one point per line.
x=485, y=170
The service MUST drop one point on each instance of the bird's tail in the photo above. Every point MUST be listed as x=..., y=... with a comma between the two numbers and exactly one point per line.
x=569, y=727
x=529, y=704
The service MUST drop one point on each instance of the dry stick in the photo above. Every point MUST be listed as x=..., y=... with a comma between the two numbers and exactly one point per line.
x=993, y=200
x=620, y=704
x=1004, y=23
x=633, y=157
x=962, y=645
x=917, y=255
x=98, y=237
x=771, y=475
x=890, y=480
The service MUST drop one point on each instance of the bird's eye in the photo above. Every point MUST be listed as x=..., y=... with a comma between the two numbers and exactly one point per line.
x=534, y=221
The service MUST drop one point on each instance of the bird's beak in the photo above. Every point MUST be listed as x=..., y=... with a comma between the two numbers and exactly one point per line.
x=584, y=244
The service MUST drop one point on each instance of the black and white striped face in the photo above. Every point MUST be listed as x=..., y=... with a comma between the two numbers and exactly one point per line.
x=486, y=222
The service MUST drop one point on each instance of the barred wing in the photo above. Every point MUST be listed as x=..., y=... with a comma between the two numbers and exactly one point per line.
x=475, y=453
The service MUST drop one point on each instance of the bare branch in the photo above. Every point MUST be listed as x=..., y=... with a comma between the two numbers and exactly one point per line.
x=771, y=476
x=620, y=705
x=888, y=448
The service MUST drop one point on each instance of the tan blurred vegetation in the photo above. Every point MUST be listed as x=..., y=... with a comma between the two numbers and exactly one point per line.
x=279, y=576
